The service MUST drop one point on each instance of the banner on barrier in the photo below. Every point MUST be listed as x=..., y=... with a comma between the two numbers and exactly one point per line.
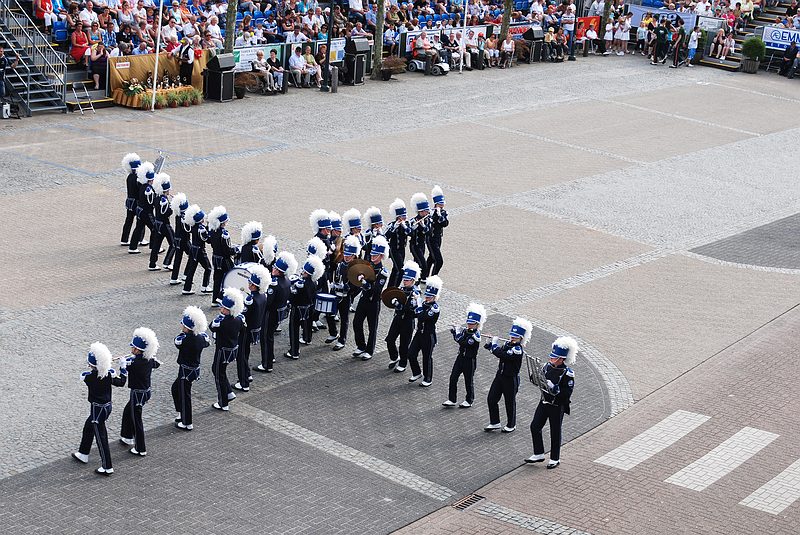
x=779, y=38
x=638, y=12
x=245, y=56
x=480, y=29
x=336, y=53
x=588, y=21
x=709, y=24
x=412, y=36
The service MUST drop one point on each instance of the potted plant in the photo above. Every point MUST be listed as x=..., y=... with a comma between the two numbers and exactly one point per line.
x=701, y=47
x=185, y=98
x=161, y=101
x=753, y=50
x=392, y=65
x=197, y=96
x=241, y=81
x=147, y=101
x=172, y=99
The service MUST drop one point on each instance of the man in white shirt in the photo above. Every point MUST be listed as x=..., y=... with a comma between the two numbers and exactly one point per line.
x=169, y=31
x=189, y=28
x=318, y=18
x=299, y=68
x=356, y=11
x=296, y=36
x=597, y=8
x=213, y=28
x=88, y=16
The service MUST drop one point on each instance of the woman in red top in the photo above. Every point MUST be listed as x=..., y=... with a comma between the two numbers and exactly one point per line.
x=80, y=44
x=44, y=10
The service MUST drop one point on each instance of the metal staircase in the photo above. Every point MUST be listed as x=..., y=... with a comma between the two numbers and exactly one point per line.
x=38, y=82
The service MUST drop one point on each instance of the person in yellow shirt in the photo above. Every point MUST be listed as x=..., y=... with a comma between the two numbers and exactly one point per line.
x=313, y=67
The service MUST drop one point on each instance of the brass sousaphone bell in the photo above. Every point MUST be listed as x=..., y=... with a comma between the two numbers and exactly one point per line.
x=357, y=268
x=390, y=294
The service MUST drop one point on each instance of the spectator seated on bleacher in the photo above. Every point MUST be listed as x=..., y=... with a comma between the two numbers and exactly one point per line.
x=391, y=38
x=372, y=18
x=301, y=74
x=359, y=31
x=79, y=45
x=142, y=49
x=98, y=64
x=43, y=10
x=356, y=11
x=209, y=43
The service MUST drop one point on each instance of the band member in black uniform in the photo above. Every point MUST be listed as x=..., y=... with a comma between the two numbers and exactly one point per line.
x=424, y=340
x=321, y=224
x=373, y=221
x=221, y=249
x=351, y=224
x=397, y=233
x=255, y=304
x=129, y=163
x=162, y=225
x=145, y=197
x=420, y=229
x=345, y=291
x=250, y=251
x=190, y=343
x=277, y=308
x=141, y=364
x=402, y=325
x=369, y=306
x=183, y=236
x=193, y=219
x=226, y=328
x=438, y=222
x=99, y=380
x=337, y=242
x=469, y=341
x=301, y=296
x=558, y=380
x=506, y=380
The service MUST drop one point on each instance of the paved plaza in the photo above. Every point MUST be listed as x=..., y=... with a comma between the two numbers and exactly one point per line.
x=651, y=214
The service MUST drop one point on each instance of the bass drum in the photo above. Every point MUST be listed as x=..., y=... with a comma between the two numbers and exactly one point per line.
x=238, y=277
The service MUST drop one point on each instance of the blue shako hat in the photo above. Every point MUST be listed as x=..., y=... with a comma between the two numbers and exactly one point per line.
x=199, y=216
x=255, y=279
x=351, y=246
x=517, y=330
x=281, y=264
x=411, y=270
x=377, y=248
x=308, y=267
x=420, y=202
x=336, y=221
x=187, y=322
x=473, y=317
x=437, y=195
x=227, y=302
x=433, y=285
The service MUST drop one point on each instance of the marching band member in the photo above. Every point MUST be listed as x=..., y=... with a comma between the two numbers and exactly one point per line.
x=277, y=308
x=420, y=229
x=301, y=296
x=554, y=402
x=193, y=219
x=269, y=250
x=438, y=222
x=344, y=290
x=226, y=327
x=369, y=306
x=337, y=242
x=336, y=236
x=397, y=233
x=255, y=307
x=373, y=220
x=323, y=251
x=250, y=251
x=351, y=224
x=402, y=325
x=469, y=341
x=99, y=380
x=190, y=343
x=506, y=380
x=424, y=340
x=182, y=235
x=146, y=195
x=221, y=249
x=162, y=226
x=129, y=163
x=141, y=364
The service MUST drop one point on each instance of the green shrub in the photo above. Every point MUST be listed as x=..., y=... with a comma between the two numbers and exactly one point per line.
x=754, y=48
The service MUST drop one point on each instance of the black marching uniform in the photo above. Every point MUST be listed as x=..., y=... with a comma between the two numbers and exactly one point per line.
x=197, y=255
x=506, y=382
x=424, y=340
x=132, y=188
x=397, y=234
x=420, y=229
x=346, y=294
x=221, y=258
x=190, y=348
x=469, y=341
x=99, y=410
x=301, y=296
x=255, y=308
x=145, y=198
x=553, y=405
x=277, y=311
x=139, y=383
x=162, y=230
x=435, y=261
x=251, y=253
x=226, y=329
x=402, y=327
x=369, y=308
x=181, y=241
x=323, y=287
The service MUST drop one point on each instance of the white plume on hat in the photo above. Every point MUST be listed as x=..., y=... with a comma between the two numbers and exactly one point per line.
x=319, y=247
x=290, y=260
x=102, y=356
x=142, y=170
x=214, y=215
x=238, y=300
x=434, y=281
x=352, y=213
x=150, y=339
x=367, y=219
x=130, y=157
x=158, y=182
x=198, y=317
x=177, y=200
x=319, y=267
x=410, y=264
x=188, y=215
x=479, y=309
x=316, y=216
x=250, y=228
x=418, y=198
x=572, y=348
x=352, y=241
x=436, y=191
x=381, y=241
x=396, y=204
x=525, y=324
x=269, y=244
x=262, y=273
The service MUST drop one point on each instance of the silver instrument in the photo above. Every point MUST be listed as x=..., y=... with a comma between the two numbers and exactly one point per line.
x=536, y=372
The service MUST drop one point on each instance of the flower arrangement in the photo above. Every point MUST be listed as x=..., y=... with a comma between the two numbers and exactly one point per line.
x=132, y=87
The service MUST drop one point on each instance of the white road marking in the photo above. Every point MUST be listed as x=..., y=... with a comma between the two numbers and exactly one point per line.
x=777, y=494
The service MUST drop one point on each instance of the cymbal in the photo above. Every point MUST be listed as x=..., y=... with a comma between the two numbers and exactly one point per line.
x=356, y=270
x=390, y=294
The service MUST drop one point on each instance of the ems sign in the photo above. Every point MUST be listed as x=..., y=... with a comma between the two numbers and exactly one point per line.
x=780, y=37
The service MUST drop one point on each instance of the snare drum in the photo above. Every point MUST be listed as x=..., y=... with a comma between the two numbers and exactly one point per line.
x=238, y=277
x=325, y=303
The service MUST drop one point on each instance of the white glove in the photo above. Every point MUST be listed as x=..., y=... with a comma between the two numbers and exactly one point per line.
x=550, y=385
x=494, y=340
